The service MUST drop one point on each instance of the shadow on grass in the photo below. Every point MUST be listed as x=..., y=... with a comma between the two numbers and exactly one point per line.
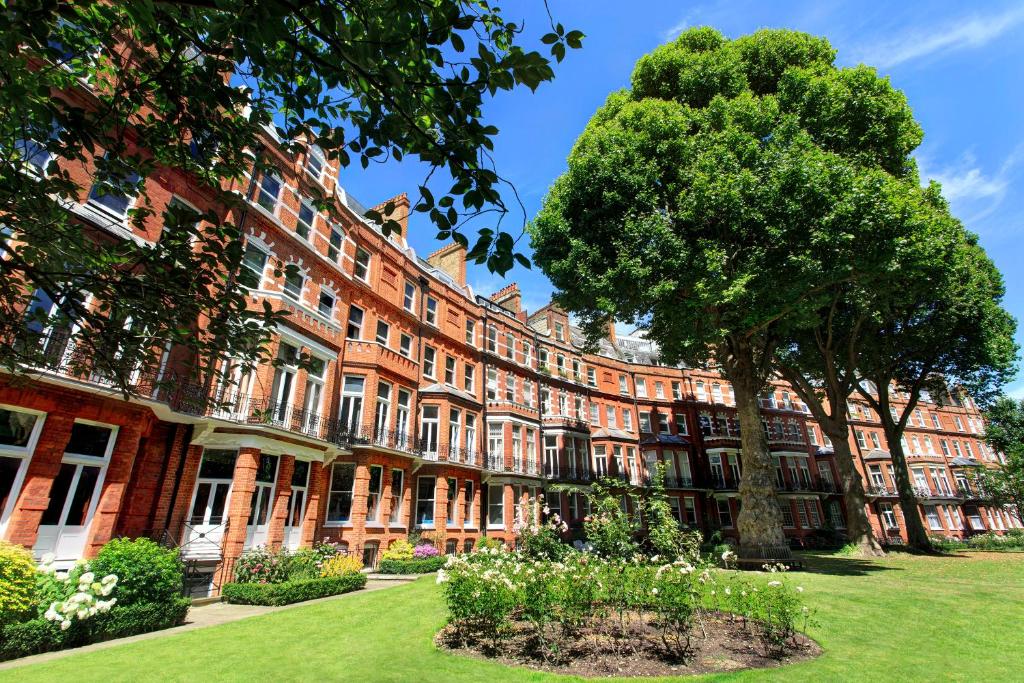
x=835, y=564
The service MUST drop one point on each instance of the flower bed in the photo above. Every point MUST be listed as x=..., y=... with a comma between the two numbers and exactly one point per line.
x=424, y=566
x=263, y=577
x=590, y=616
x=288, y=592
x=131, y=587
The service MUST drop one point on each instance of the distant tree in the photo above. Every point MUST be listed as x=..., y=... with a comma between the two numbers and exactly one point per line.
x=1004, y=433
x=954, y=336
x=719, y=203
x=132, y=88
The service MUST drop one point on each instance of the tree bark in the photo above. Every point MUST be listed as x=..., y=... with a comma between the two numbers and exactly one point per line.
x=759, y=521
x=858, y=528
x=917, y=537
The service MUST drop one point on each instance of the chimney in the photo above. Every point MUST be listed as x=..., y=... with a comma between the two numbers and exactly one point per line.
x=452, y=260
x=399, y=211
x=611, y=332
x=509, y=297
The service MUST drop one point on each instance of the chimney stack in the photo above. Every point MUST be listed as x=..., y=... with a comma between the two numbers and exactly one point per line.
x=452, y=260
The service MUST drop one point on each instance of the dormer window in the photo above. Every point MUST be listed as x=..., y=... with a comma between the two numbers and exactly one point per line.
x=315, y=162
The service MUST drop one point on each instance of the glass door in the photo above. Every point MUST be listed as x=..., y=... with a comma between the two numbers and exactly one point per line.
x=75, y=492
x=296, y=505
x=207, y=520
x=262, y=501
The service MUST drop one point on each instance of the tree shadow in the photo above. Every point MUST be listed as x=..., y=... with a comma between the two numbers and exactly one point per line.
x=842, y=565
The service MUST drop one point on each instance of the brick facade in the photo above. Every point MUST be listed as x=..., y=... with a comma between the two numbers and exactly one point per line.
x=420, y=375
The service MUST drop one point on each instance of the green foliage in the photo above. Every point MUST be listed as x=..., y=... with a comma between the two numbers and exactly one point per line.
x=146, y=572
x=423, y=566
x=261, y=565
x=369, y=81
x=1004, y=433
x=306, y=563
x=400, y=549
x=610, y=530
x=291, y=591
x=1011, y=540
x=40, y=635
x=488, y=543
x=664, y=537
x=486, y=592
x=540, y=540
x=17, y=582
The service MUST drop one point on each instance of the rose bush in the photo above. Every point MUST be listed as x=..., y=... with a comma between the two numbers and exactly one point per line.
x=490, y=592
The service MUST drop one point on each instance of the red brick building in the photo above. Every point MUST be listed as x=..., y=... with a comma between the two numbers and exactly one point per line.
x=427, y=407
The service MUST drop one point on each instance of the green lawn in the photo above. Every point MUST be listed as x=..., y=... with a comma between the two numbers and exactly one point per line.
x=902, y=618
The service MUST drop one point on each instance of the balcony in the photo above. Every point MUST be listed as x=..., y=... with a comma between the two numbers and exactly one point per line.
x=371, y=353
x=880, y=491
x=566, y=422
x=971, y=492
x=716, y=434
x=720, y=484
x=925, y=493
x=567, y=474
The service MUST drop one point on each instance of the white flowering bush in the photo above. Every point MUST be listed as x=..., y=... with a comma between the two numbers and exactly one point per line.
x=84, y=595
x=492, y=594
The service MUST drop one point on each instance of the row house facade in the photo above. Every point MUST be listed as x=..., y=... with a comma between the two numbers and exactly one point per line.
x=421, y=406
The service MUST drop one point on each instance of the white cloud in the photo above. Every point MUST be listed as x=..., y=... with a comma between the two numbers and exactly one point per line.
x=1016, y=390
x=966, y=184
x=973, y=32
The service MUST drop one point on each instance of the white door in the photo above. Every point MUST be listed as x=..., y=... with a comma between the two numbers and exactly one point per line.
x=296, y=505
x=75, y=492
x=204, y=530
x=262, y=502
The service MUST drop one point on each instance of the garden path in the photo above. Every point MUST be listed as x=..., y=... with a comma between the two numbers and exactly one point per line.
x=212, y=614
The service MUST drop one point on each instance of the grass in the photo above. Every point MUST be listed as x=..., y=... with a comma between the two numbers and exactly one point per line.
x=904, y=617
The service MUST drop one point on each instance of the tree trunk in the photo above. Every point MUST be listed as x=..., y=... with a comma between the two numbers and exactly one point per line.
x=917, y=537
x=759, y=521
x=858, y=527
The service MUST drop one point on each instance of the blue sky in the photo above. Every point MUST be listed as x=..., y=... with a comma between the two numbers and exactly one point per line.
x=960, y=64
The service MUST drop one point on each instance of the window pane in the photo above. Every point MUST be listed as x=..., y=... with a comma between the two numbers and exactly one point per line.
x=84, y=492
x=88, y=439
x=199, y=504
x=8, y=471
x=300, y=475
x=218, y=464
x=15, y=427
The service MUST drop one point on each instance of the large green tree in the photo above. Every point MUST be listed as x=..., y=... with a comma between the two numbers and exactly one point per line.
x=137, y=87
x=1004, y=433
x=955, y=336
x=719, y=202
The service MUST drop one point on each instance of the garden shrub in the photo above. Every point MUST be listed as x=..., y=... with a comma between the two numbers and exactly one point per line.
x=306, y=563
x=488, y=543
x=286, y=593
x=341, y=565
x=421, y=566
x=146, y=571
x=260, y=565
x=40, y=635
x=491, y=593
x=1012, y=540
x=399, y=550
x=424, y=550
x=17, y=583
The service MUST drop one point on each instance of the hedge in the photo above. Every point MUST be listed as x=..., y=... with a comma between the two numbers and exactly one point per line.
x=40, y=635
x=424, y=566
x=291, y=591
